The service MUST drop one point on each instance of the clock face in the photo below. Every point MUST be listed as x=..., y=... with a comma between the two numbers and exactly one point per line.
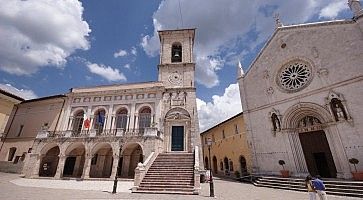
x=175, y=78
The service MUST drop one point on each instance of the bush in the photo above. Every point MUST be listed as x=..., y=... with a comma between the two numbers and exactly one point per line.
x=237, y=174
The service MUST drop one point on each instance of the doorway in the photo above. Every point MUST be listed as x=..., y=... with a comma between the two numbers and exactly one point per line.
x=318, y=156
x=177, y=138
x=69, y=166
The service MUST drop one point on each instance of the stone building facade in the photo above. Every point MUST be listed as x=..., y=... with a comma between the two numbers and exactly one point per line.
x=302, y=98
x=27, y=119
x=103, y=127
x=230, y=153
x=7, y=102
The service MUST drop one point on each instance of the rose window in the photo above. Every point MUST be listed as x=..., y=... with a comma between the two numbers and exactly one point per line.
x=294, y=76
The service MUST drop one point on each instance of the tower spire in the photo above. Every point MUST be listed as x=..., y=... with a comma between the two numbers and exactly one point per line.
x=277, y=20
x=240, y=72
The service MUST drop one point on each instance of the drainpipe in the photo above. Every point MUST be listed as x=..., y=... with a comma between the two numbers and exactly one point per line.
x=11, y=123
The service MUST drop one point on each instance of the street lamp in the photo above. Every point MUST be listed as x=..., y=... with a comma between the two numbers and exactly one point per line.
x=211, y=186
x=117, y=172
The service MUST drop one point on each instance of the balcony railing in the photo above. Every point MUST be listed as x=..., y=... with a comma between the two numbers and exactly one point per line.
x=100, y=133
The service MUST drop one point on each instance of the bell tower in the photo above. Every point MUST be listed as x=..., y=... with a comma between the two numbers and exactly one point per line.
x=176, y=72
x=176, y=68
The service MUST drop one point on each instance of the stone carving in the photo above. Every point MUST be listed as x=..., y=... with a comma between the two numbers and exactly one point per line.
x=270, y=91
x=294, y=76
x=314, y=52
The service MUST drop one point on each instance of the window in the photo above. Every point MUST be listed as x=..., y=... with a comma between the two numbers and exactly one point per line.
x=206, y=140
x=78, y=122
x=223, y=135
x=236, y=128
x=121, y=119
x=213, y=139
x=176, y=53
x=99, y=121
x=144, y=118
x=20, y=130
x=11, y=155
x=294, y=76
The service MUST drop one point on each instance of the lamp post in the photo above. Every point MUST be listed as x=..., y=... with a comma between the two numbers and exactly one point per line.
x=211, y=186
x=117, y=172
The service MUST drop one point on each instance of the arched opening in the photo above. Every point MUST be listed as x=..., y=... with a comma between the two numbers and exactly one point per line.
x=121, y=119
x=215, y=167
x=226, y=165
x=221, y=166
x=243, y=165
x=131, y=156
x=99, y=120
x=49, y=163
x=11, y=154
x=231, y=166
x=315, y=146
x=101, y=163
x=206, y=163
x=74, y=163
x=176, y=52
x=144, y=119
x=78, y=122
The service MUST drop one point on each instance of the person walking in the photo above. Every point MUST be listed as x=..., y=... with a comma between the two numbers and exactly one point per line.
x=310, y=187
x=320, y=188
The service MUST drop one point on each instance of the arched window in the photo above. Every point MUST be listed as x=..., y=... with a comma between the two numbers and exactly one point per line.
x=144, y=118
x=78, y=122
x=11, y=155
x=176, y=52
x=121, y=119
x=226, y=164
x=99, y=120
x=231, y=165
x=243, y=165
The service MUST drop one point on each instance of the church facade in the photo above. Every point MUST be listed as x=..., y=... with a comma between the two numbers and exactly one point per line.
x=302, y=99
x=103, y=128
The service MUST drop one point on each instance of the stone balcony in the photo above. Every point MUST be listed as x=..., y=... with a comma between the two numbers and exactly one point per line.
x=94, y=133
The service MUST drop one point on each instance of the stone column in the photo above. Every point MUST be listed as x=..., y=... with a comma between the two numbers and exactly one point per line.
x=114, y=166
x=87, y=167
x=35, y=172
x=59, y=173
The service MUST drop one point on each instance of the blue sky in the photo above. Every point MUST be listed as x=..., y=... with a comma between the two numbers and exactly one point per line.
x=51, y=46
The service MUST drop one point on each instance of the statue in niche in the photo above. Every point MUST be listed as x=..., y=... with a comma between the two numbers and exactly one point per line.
x=338, y=109
x=275, y=122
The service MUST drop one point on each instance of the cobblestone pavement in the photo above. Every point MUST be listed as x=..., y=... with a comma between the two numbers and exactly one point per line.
x=11, y=188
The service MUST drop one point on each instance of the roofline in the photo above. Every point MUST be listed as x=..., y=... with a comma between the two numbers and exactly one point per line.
x=101, y=86
x=306, y=25
x=44, y=98
x=184, y=29
x=11, y=95
x=239, y=114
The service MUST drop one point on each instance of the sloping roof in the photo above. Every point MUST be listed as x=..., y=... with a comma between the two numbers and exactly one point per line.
x=44, y=98
x=229, y=119
x=11, y=95
x=297, y=26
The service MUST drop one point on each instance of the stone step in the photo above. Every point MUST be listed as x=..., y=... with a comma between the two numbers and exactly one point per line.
x=158, y=182
x=161, y=191
x=334, y=187
x=165, y=186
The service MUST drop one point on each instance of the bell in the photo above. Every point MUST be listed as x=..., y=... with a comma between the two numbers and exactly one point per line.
x=176, y=55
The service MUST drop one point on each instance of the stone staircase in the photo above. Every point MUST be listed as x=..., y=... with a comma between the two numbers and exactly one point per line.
x=333, y=186
x=170, y=173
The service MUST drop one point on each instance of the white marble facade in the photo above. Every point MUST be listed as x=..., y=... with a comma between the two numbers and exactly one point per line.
x=306, y=85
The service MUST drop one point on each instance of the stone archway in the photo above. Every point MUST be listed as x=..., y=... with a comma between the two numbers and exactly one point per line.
x=101, y=161
x=75, y=159
x=313, y=146
x=131, y=155
x=243, y=165
x=49, y=163
x=215, y=167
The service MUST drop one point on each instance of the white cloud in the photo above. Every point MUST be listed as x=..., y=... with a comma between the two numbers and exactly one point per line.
x=25, y=94
x=224, y=26
x=220, y=109
x=120, y=53
x=127, y=66
x=34, y=34
x=333, y=9
x=106, y=72
x=133, y=51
